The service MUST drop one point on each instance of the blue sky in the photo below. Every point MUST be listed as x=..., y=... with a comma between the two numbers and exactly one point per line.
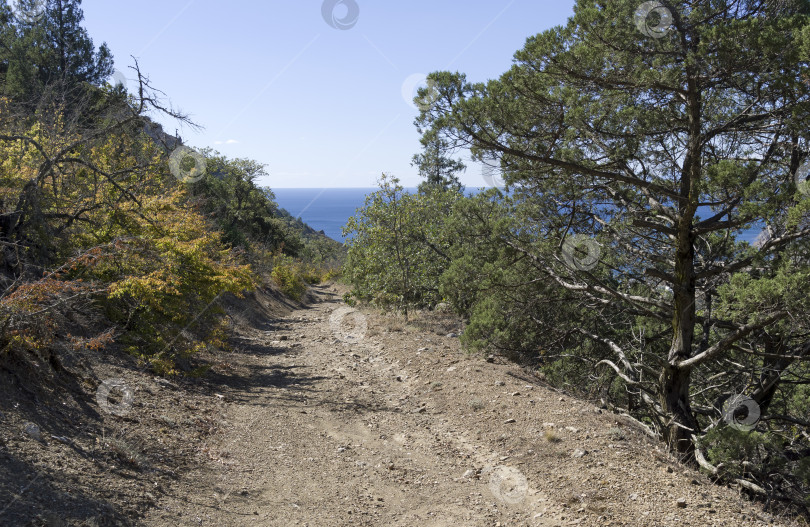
x=320, y=106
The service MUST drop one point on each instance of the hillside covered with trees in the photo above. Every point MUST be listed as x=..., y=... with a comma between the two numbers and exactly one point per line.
x=112, y=231
x=636, y=157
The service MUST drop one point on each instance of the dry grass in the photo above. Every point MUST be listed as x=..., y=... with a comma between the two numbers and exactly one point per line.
x=126, y=452
x=617, y=434
x=476, y=404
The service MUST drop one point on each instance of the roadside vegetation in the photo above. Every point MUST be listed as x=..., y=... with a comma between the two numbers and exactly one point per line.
x=638, y=150
x=111, y=231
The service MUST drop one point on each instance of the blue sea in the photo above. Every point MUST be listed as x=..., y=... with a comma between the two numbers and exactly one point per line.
x=328, y=209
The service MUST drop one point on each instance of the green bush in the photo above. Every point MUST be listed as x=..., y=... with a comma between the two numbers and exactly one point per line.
x=287, y=277
x=742, y=453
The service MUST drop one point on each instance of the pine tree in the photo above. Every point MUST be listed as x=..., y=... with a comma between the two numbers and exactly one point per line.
x=53, y=53
x=435, y=167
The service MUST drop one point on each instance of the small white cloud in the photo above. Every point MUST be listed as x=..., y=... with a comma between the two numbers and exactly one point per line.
x=228, y=142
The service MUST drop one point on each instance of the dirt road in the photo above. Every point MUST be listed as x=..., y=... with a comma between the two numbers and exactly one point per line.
x=333, y=417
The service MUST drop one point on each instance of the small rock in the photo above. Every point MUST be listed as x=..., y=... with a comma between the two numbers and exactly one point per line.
x=468, y=474
x=340, y=450
x=33, y=430
x=579, y=453
x=572, y=429
x=284, y=337
x=500, y=383
x=399, y=378
x=166, y=383
x=509, y=421
x=669, y=470
x=633, y=497
x=452, y=335
x=490, y=358
x=422, y=349
x=681, y=503
x=515, y=394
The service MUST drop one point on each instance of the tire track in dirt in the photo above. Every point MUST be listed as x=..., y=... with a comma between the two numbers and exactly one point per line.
x=326, y=436
x=400, y=427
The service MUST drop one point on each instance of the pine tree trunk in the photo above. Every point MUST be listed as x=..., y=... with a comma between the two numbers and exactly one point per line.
x=675, y=400
x=675, y=379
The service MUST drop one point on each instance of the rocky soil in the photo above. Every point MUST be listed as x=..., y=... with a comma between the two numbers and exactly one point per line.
x=324, y=416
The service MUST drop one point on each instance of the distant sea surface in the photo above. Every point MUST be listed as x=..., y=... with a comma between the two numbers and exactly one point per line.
x=328, y=209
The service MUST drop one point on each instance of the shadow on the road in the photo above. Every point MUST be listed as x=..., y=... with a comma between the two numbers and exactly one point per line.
x=30, y=495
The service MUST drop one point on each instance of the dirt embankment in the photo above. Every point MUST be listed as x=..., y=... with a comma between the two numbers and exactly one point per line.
x=322, y=416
